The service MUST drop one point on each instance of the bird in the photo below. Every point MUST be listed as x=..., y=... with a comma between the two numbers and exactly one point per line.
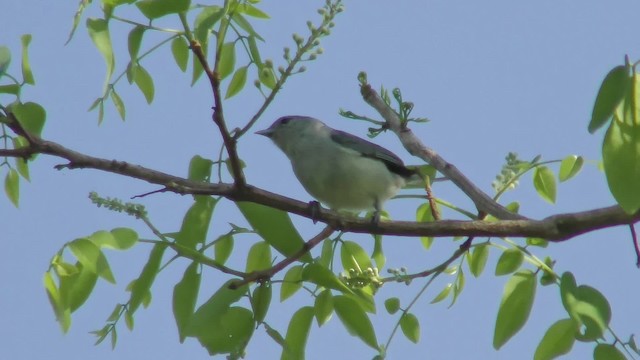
x=342, y=171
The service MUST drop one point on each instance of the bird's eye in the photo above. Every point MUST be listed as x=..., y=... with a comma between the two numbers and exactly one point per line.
x=284, y=120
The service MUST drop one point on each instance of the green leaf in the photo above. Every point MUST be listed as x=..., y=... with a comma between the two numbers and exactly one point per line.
x=537, y=242
x=253, y=50
x=118, y=103
x=517, y=300
x=134, y=41
x=209, y=314
x=607, y=352
x=621, y=157
x=99, y=33
x=154, y=9
x=5, y=60
x=27, y=75
x=424, y=214
x=291, y=283
x=275, y=227
x=410, y=327
x=230, y=333
x=12, y=186
x=22, y=166
x=124, y=238
x=297, y=334
x=195, y=223
x=9, y=89
x=91, y=258
x=76, y=288
x=267, y=77
x=237, y=82
x=223, y=248
x=253, y=11
x=322, y=276
x=185, y=295
x=442, y=294
x=144, y=81
x=612, y=91
x=509, y=261
x=31, y=116
x=545, y=183
x=63, y=315
x=227, y=59
x=355, y=320
x=245, y=25
x=326, y=254
x=259, y=257
x=392, y=305
x=323, y=307
x=260, y=301
x=587, y=306
x=478, y=259
x=200, y=169
x=205, y=20
x=378, y=253
x=180, y=51
x=354, y=257
x=558, y=340
x=142, y=284
x=570, y=167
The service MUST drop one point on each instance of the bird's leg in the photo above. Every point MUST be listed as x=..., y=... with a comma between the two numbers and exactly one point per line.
x=375, y=219
x=314, y=208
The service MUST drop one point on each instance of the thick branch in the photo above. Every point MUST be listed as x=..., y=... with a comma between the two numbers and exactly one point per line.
x=555, y=228
x=415, y=147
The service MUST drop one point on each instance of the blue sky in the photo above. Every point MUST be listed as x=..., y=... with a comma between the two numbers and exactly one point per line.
x=494, y=77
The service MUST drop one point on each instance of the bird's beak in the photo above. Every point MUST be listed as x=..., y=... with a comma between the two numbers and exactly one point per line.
x=266, y=132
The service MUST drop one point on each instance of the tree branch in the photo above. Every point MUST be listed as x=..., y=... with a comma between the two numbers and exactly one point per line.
x=553, y=228
x=415, y=147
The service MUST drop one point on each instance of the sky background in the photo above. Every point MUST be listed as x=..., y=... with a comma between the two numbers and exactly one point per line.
x=493, y=77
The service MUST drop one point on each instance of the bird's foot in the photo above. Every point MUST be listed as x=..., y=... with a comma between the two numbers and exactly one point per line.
x=314, y=208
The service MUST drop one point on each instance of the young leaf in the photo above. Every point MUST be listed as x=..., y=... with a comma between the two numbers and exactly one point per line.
x=91, y=258
x=558, y=340
x=154, y=9
x=517, y=300
x=99, y=33
x=195, y=223
x=545, y=183
x=31, y=116
x=621, y=158
x=297, y=334
x=355, y=320
x=478, y=259
x=185, y=294
x=291, y=283
x=587, y=306
x=509, y=261
x=134, y=41
x=612, y=91
x=442, y=294
x=570, y=167
x=210, y=313
x=424, y=214
x=410, y=327
x=322, y=276
x=200, y=169
x=27, y=75
x=12, y=186
x=323, y=307
x=253, y=11
x=607, y=352
x=223, y=248
x=275, y=227
x=260, y=301
x=142, y=284
x=237, y=82
x=353, y=256
x=5, y=60
x=118, y=103
x=180, y=51
x=259, y=257
x=76, y=288
x=227, y=59
x=144, y=81
x=392, y=305
x=378, y=253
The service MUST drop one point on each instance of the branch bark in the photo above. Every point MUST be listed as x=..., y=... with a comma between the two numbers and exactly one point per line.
x=553, y=228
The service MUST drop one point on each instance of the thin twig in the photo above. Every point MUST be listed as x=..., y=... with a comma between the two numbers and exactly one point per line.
x=636, y=246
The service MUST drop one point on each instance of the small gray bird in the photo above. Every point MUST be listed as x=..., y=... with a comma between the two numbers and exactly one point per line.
x=340, y=170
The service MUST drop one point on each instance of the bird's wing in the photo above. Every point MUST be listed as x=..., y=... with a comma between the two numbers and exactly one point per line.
x=371, y=150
